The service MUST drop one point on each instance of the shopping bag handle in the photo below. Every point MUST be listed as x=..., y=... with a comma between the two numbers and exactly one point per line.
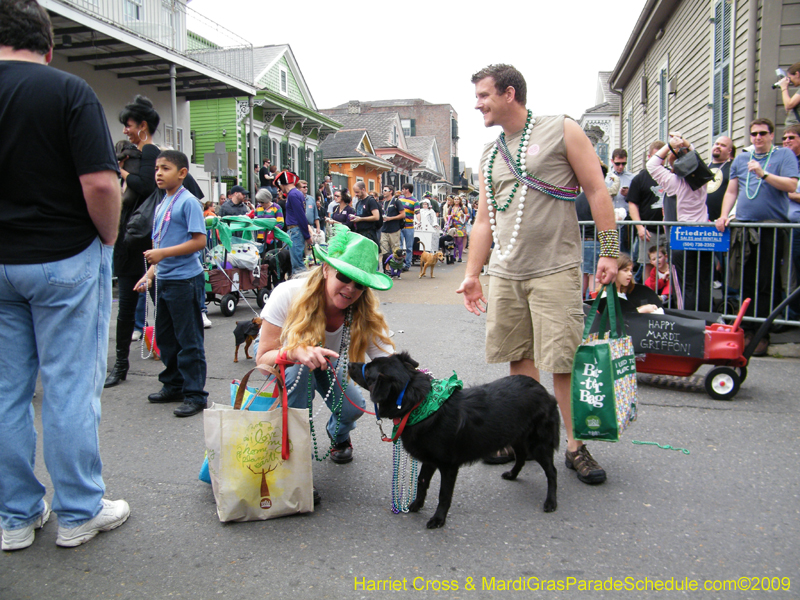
x=612, y=311
x=266, y=370
x=280, y=379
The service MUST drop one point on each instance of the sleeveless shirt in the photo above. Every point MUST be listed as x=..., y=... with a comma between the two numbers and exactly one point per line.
x=549, y=237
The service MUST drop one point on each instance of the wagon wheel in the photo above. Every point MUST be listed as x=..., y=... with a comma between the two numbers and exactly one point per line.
x=742, y=371
x=722, y=383
x=262, y=296
x=228, y=304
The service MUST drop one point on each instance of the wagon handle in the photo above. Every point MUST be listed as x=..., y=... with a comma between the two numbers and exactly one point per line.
x=742, y=310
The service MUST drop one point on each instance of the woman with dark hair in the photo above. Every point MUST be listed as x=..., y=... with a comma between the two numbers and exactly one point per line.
x=342, y=213
x=140, y=121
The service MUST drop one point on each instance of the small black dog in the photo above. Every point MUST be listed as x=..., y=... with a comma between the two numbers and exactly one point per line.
x=279, y=265
x=471, y=424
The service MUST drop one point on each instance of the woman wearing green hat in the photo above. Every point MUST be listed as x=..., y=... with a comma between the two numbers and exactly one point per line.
x=333, y=315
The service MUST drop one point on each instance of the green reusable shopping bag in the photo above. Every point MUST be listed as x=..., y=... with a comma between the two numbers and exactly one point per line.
x=604, y=376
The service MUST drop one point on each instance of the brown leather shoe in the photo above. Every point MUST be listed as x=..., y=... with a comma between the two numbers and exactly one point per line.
x=587, y=468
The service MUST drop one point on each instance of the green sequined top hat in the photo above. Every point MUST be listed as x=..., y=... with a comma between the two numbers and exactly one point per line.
x=355, y=256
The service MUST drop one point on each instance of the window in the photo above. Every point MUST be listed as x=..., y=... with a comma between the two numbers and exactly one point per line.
x=273, y=157
x=409, y=127
x=283, y=81
x=721, y=93
x=132, y=10
x=394, y=135
x=293, y=159
x=169, y=139
x=663, y=103
x=371, y=185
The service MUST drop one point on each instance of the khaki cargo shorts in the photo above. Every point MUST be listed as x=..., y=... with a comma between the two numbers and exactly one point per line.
x=389, y=241
x=539, y=319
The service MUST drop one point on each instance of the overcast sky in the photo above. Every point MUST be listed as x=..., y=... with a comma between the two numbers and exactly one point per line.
x=363, y=50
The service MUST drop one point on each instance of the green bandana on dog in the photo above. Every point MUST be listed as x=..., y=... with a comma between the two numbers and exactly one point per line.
x=441, y=390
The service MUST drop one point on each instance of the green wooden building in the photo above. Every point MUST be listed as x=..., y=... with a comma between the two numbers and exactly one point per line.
x=286, y=126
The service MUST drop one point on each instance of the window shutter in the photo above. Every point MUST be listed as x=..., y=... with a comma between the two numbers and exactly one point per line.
x=318, y=166
x=454, y=129
x=413, y=127
x=662, y=105
x=285, y=156
x=455, y=176
x=721, y=101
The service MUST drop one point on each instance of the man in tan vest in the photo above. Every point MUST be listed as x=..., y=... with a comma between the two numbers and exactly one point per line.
x=536, y=316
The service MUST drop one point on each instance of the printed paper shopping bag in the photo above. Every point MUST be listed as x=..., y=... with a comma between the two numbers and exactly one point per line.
x=604, y=376
x=259, y=461
x=262, y=398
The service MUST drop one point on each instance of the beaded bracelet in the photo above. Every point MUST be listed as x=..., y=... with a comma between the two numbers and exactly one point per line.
x=609, y=243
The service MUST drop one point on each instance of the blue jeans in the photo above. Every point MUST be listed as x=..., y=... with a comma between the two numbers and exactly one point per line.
x=321, y=382
x=55, y=316
x=140, y=309
x=407, y=235
x=179, y=335
x=296, y=251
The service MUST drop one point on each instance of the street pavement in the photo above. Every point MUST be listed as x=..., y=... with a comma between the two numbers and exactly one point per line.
x=725, y=511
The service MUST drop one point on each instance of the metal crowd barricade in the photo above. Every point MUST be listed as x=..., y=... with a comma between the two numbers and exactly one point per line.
x=722, y=284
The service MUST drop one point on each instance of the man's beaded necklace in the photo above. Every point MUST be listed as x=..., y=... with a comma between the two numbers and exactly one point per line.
x=760, y=180
x=519, y=171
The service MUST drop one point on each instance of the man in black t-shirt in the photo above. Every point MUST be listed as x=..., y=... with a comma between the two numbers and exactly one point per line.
x=264, y=176
x=722, y=153
x=394, y=216
x=645, y=203
x=368, y=213
x=55, y=295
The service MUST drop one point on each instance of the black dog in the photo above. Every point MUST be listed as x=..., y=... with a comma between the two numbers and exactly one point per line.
x=471, y=424
x=279, y=265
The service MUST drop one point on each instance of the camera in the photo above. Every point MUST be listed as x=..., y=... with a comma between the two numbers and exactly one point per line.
x=780, y=74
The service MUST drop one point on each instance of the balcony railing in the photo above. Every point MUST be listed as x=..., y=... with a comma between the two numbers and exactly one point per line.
x=173, y=25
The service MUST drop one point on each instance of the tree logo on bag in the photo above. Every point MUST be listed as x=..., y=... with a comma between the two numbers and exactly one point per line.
x=260, y=451
x=593, y=422
x=265, y=501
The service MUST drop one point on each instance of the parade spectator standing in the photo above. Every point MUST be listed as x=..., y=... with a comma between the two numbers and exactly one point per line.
x=760, y=184
x=791, y=140
x=265, y=179
x=550, y=286
x=619, y=173
x=342, y=210
x=266, y=209
x=722, y=153
x=458, y=221
x=295, y=215
x=394, y=216
x=312, y=214
x=62, y=233
x=368, y=213
x=791, y=103
x=179, y=234
x=236, y=206
x=140, y=121
x=693, y=266
x=407, y=233
x=645, y=203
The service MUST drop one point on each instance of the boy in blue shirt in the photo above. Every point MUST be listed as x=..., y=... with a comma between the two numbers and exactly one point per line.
x=179, y=233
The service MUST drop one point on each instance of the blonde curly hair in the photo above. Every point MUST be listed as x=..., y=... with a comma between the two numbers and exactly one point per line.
x=305, y=324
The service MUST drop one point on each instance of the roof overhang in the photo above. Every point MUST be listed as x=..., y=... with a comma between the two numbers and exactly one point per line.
x=373, y=163
x=107, y=47
x=399, y=158
x=653, y=18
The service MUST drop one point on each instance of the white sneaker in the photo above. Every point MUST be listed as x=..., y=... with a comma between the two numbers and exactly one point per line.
x=23, y=537
x=113, y=514
x=137, y=335
x=206, y=321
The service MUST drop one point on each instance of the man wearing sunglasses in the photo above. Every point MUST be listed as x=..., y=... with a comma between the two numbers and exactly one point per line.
x=759, y=186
